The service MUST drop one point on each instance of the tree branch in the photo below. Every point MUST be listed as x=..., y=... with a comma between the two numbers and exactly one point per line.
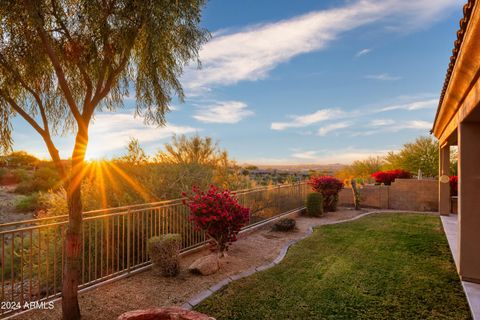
x=103, y=89
x=60, y=73
x=83, y=72
x=29, y=89
x=22, y=112
x=45, y=134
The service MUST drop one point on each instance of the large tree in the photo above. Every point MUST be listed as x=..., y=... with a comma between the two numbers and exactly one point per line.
x=61, y=61
x=421, y=154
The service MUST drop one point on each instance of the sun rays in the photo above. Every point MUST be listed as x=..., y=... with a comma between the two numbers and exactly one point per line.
x=107, y=177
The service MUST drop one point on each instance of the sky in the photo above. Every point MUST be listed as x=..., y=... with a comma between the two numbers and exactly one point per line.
x=292, y=82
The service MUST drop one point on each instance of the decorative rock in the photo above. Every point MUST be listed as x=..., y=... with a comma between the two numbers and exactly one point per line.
x=170, y=313
x=205, y=265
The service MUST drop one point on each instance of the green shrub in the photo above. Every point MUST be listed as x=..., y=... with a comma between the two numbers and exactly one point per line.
x=314, y=204
x=329, y=187
x=12, y=177
x=285, y=224
x=164, y=252
x=43, y=179
x=3, y=171
x=27, y=203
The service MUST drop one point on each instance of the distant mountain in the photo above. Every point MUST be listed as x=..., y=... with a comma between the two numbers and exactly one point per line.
x=334, y=167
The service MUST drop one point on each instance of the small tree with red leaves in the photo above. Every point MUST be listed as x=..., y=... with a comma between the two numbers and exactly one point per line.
x=387, y=177
x=329, y=187
x=218, y=213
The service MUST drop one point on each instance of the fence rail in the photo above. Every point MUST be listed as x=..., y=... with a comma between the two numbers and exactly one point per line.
x=114, y=242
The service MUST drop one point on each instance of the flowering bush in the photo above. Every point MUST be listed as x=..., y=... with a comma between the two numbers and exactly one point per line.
x=218, y=214
x=387, y=177
x=329, y=187
x=454, y=185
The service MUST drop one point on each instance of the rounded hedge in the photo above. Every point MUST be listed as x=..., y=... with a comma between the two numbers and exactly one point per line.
x=314, y=204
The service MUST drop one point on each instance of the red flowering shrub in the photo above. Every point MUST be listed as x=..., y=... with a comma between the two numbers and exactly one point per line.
x=218, y=214
x=454, y=185
x=329, y=187
x=387, y=177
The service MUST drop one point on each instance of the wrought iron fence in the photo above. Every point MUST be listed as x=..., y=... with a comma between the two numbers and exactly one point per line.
x=114, y=242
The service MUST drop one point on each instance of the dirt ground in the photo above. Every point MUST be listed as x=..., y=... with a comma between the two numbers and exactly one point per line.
x=8, y=200
x=148, y=289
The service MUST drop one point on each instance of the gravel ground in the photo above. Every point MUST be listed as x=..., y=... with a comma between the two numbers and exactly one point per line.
x=8, y=199
x=148, y=289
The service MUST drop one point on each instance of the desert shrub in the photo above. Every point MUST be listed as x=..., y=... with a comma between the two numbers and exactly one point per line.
x=27, y=203
x=12, y=177
x=36, y=257
x=285, y=224
x=454, y=185
x=218, y=214
x=43, y=179
x=19, y=159
x=329, y=187
x=387, y=177
x=164, y=251
x=314, y=204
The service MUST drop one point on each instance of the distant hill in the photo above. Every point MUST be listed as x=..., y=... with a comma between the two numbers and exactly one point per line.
x=334, y=167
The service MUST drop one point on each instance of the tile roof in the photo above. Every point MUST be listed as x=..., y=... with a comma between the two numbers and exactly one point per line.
x=467, y=12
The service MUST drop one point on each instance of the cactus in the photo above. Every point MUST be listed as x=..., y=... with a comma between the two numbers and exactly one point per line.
x=164, y=252
x=356, y=195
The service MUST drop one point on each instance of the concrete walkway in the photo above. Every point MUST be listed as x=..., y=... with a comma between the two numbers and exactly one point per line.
x=472, y=290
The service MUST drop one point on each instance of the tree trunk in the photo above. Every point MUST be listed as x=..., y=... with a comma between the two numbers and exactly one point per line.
x=356, y=195
x=73, y=238
x=73, y=251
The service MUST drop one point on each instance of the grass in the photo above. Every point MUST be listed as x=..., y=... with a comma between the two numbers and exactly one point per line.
x=384, y=266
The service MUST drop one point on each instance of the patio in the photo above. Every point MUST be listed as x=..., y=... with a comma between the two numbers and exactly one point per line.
x=472, y=290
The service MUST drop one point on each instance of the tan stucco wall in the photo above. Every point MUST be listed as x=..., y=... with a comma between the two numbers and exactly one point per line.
x=403, y=194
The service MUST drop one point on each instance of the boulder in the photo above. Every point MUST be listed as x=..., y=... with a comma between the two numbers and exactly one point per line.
x=170, y=313
x=205, y=265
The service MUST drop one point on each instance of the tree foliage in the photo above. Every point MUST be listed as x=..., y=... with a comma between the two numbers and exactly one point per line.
x=421, y=154
x=329, y=187
x=59, y=60
x=360, y=168
x=218, y=213
x=135, y=155
x=192, y=150
x=19, y=159
x=62, y=61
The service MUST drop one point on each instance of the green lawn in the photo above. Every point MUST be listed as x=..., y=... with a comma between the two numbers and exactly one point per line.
x=383, y=266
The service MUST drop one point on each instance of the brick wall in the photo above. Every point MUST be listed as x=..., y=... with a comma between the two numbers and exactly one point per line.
x=403, y=194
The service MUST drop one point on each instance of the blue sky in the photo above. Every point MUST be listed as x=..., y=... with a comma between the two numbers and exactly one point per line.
x=299, y=82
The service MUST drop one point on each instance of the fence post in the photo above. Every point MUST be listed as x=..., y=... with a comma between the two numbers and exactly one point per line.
x=129, y=229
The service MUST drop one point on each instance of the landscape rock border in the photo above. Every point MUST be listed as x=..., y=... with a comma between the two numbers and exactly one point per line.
x=197, y=299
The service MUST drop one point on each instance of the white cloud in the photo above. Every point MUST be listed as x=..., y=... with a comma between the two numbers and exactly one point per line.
x=112, y=131
x=308, y=155
x=332, y=127
x=381, y=122
x=321, y=156
x=308, y=119
x=223, y=112
x=382, y=77
x=363, y=52
x=345, y=156
x=416, y=124
x=415, y=105
x=393, y=126
x=252, y=52
x=348, y=155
